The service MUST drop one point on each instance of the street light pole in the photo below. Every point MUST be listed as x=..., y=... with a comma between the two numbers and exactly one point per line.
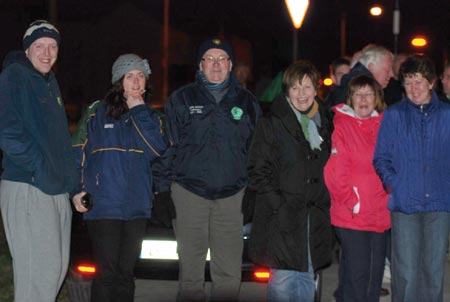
x=295, y=44
x=343, y=29
x=165, y=52
x=396, y=25
x=297, y=11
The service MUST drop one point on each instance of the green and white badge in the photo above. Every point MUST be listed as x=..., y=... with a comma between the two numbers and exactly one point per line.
x=237, y=113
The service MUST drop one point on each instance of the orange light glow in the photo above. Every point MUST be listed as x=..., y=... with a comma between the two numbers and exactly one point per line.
x=327, y=82
x=86, y=269
x=297, y=11
x=262, y=275
x=376, y=10
x=419, y=42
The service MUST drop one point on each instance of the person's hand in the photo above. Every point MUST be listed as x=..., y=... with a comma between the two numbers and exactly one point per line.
x=76, y=200
x=133, y=100
x=163, y=209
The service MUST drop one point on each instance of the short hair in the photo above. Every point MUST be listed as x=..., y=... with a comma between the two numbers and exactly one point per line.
x=363, y=81
x=373, y=54
x=338, y=62
x=417, y=64
x=297, y=71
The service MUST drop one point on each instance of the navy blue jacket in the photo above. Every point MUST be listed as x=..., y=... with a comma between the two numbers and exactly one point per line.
x=210, y=140
x=117, y=162
x=412, y=156
x=34, y=134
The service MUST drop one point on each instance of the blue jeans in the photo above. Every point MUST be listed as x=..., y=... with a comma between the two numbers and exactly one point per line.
x=290, y=285
x=419, y=246
x=362, y=265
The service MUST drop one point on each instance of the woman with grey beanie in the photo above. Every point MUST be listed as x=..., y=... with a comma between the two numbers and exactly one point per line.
x=115, y=153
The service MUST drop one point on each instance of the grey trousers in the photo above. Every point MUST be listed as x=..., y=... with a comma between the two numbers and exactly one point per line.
x=203, y=224
x=37, y=228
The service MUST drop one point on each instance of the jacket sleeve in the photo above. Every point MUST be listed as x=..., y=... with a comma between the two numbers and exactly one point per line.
x=384, y=148
x=262, y=168
x=15, y=140
x=163, y=166
x=79, y=137
x=337, y=171
x=148, y=126
x=79, y=141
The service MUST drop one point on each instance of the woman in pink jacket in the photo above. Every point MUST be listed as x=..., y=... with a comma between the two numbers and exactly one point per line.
x=359, y=210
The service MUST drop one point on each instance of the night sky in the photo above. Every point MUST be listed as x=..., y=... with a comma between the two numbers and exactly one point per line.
x=95, y=32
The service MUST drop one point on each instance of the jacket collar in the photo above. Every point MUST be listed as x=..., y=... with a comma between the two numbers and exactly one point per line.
x=233, y=89
x=19, y=57
x=281, y=109
x=433, y=105
x=356, y=70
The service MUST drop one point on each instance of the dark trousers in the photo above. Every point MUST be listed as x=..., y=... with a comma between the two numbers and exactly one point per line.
x=116, y=246
x=361, y=266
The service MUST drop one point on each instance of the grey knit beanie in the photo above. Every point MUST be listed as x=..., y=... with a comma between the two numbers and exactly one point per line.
x=39, y=29
x=126, y=63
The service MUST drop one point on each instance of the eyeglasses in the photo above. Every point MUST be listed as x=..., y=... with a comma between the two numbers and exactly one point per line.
x=360, y=96
x=211, y=59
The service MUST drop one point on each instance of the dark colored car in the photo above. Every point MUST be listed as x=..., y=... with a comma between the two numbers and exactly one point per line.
x=158, y=259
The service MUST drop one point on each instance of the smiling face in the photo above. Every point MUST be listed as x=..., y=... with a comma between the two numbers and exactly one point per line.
x=216, y=65
x=363, y=101
x=42, y=54
x=418, y=89
x=302, y=94
x=134, y=83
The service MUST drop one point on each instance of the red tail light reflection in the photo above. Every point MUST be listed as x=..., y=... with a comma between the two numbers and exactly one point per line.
x=262, y=275
x=86, y=269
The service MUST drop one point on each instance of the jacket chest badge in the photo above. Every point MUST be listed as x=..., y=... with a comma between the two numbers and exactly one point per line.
x=237, y=113
x=108, y=126
x=195, y=109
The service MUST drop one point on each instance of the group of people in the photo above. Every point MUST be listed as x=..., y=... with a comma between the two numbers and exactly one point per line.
x=306, y=166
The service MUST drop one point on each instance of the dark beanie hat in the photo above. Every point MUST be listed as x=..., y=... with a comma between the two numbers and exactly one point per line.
x=214, y=43
x=39, y=29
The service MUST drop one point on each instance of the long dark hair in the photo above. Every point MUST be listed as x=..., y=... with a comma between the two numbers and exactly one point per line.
x=115, y=101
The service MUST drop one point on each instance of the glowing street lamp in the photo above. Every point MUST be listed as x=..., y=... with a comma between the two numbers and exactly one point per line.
x=419, y=41
x=327, y=81
x=297, y=10
x=376, y=10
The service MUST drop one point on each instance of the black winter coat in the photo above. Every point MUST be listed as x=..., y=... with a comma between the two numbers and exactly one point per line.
x=288, y=177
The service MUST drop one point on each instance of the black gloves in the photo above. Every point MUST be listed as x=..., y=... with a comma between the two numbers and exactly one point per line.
x=248, y=205
x=163, y=209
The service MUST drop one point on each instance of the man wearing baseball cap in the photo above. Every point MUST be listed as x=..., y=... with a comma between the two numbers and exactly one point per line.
x=39, y=168
x=211, y=123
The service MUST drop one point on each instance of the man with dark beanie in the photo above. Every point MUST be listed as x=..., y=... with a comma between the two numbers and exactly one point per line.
x=39, y=168
x=211, y=122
